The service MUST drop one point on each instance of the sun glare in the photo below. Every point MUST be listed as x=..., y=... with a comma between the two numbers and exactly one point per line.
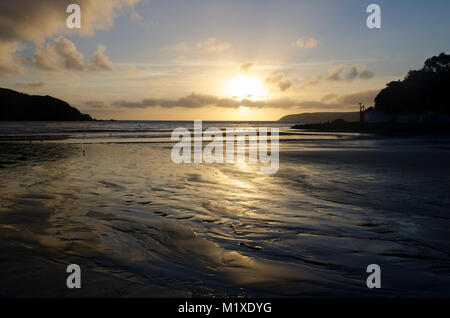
x=245, y=87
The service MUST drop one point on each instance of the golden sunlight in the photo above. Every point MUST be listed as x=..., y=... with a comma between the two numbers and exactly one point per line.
x=245, y=87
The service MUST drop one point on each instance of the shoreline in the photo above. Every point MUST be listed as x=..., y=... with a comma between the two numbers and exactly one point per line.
x=388, y=129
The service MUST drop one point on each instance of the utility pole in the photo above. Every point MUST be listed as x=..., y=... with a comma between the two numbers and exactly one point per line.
x=361, y=114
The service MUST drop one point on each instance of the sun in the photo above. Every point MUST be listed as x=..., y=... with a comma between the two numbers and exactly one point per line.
x=245, y=87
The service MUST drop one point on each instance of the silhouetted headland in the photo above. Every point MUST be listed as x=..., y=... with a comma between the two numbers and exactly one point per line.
x=15, y=106
x=321, y=117
x=417, y=104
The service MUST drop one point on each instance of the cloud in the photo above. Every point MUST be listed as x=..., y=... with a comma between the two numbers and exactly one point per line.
x=30, y=20
x=334, y=74
x=59, y=55
x=284, y=85
x=333, y=101
x=279, y=81
x=95, y=104
x=247, y=66
x=190, y=101
x=208, y=46
x=9, y=64
x=309, y=82
x=62, y=55
x=366, y=74
x=34, y=85
x=274, y=78
x=98, y=61
x=194, y=100
x=356, y=71
x=328, y=97
x=353, y=73
x=306, y=44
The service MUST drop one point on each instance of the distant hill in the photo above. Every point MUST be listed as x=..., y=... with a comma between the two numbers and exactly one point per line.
x=15, y=106
x=321, y=117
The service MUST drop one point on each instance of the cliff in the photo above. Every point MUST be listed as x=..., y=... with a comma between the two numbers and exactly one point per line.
x=15, y=106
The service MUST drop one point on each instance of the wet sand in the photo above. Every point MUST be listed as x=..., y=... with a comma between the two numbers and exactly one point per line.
x=140, y=226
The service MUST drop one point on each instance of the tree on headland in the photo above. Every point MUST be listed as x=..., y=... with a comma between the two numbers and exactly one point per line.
x=427, y=89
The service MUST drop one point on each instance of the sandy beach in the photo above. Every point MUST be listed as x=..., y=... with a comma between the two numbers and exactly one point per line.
x=140, y=226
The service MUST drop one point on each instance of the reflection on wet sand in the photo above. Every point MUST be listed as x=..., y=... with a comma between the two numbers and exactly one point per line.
x=139, y=225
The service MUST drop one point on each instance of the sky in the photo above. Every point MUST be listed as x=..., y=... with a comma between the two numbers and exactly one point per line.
x=215, y=60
